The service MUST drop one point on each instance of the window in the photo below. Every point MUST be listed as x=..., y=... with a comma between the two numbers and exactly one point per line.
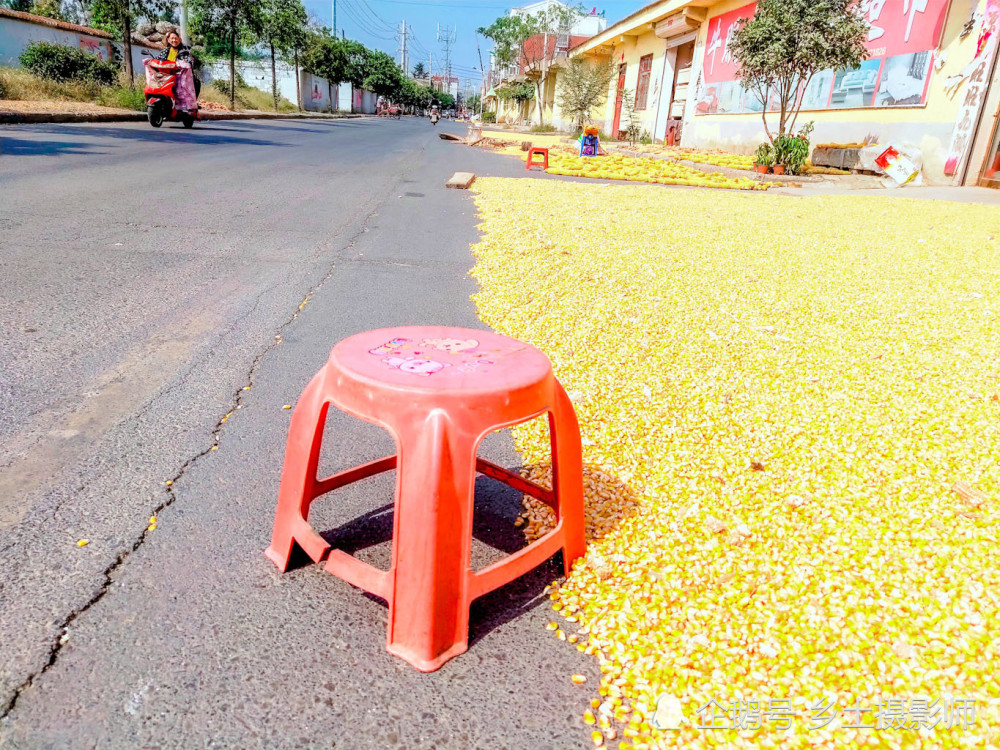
x=642, y=87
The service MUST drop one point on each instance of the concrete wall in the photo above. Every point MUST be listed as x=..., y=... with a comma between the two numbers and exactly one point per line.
x=17, y=34
x=257, y=73
x=315, y=93
x=927, y=127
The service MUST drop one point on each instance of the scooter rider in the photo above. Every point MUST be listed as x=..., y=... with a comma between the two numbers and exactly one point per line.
x=177, y=50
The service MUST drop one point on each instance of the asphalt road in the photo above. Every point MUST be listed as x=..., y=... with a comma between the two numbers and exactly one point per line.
x=151, y=283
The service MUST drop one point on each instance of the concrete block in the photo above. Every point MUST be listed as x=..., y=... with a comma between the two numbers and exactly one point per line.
x=838, y=158
x=461, y=180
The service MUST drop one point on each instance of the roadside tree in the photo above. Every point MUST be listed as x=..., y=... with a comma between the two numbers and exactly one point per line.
x=382, y=75
x=119, y=17
x=528, y=41
x=787, y=42
x=336, y=60
x=282, y=27
x=584, y=86
x=226, y=24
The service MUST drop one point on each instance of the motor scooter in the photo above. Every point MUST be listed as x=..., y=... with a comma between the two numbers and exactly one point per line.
x=435, y=117
x=169, y=92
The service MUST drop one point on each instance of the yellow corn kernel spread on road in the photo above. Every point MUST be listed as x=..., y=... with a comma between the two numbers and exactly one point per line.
x=645, y=169
x=776, y=396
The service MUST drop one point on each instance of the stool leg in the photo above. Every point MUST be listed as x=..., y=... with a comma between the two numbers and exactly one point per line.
x=298, y=478
x=432, y=539
x=567, y=476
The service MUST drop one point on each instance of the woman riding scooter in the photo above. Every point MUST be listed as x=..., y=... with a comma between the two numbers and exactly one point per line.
x=177, y=50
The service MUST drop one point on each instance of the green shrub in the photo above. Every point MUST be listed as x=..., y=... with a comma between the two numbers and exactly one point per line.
x=793, y=150
x=222, y=86
x=543, y=129
x=48, y=9
x=3, y=91
x=57, y=62
x=764, y=155
x=123, y=97
x=489, y=117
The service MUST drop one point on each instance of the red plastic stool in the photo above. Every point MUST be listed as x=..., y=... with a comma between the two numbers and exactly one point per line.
x=531, y=156
x=438, y=391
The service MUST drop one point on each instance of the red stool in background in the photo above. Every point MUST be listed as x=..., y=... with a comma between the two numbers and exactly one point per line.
x=531, y=158
x=438, y=391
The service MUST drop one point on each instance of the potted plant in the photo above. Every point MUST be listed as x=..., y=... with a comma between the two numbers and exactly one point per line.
x=783, y=147
x=763, y=157
x=792, y=151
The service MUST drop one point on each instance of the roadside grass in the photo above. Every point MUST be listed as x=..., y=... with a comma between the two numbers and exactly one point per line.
x=18, y=84
x=247, y=97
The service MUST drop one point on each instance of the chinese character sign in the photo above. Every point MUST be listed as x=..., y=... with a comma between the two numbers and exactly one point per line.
x=902, y=35
x=977, y=85
x=719, y=63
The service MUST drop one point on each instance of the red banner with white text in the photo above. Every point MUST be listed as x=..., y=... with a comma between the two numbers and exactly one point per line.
x=902, y=37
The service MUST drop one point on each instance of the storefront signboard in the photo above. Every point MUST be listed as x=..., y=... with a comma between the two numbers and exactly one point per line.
x=902, y=37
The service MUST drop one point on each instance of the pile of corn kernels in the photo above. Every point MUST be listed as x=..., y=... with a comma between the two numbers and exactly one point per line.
x=646, y=169
x=790, y=411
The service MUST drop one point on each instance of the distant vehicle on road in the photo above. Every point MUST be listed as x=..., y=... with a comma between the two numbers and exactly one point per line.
x=390, y=110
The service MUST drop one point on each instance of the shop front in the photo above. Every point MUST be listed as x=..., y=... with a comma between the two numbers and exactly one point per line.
x=914, y=89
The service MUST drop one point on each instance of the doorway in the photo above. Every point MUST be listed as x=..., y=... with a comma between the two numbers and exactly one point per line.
x=679, y=95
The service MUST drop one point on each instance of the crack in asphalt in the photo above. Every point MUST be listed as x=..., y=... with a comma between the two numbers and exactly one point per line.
x=237, y=403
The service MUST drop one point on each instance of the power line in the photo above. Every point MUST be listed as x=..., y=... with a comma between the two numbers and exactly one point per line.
x=362, y=24
x=379, y=21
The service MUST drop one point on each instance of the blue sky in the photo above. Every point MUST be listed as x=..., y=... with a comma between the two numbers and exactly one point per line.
x=376, y=24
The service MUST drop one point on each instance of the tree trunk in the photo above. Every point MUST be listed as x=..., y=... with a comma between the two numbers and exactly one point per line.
x=274, y=79
x=329, y=87
x=799, y=100
x=232, y=68
x=127, y=45
x=538, y=97
x=298, y=83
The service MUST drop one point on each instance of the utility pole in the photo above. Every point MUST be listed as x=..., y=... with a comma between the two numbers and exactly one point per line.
x=402, y=52
x=334, y=19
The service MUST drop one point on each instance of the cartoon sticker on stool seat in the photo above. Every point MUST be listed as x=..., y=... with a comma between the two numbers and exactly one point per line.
x=391, y=347
x=452, y=346
x=414, y=366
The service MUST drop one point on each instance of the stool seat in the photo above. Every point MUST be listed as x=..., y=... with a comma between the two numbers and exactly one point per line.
x=438, y=391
